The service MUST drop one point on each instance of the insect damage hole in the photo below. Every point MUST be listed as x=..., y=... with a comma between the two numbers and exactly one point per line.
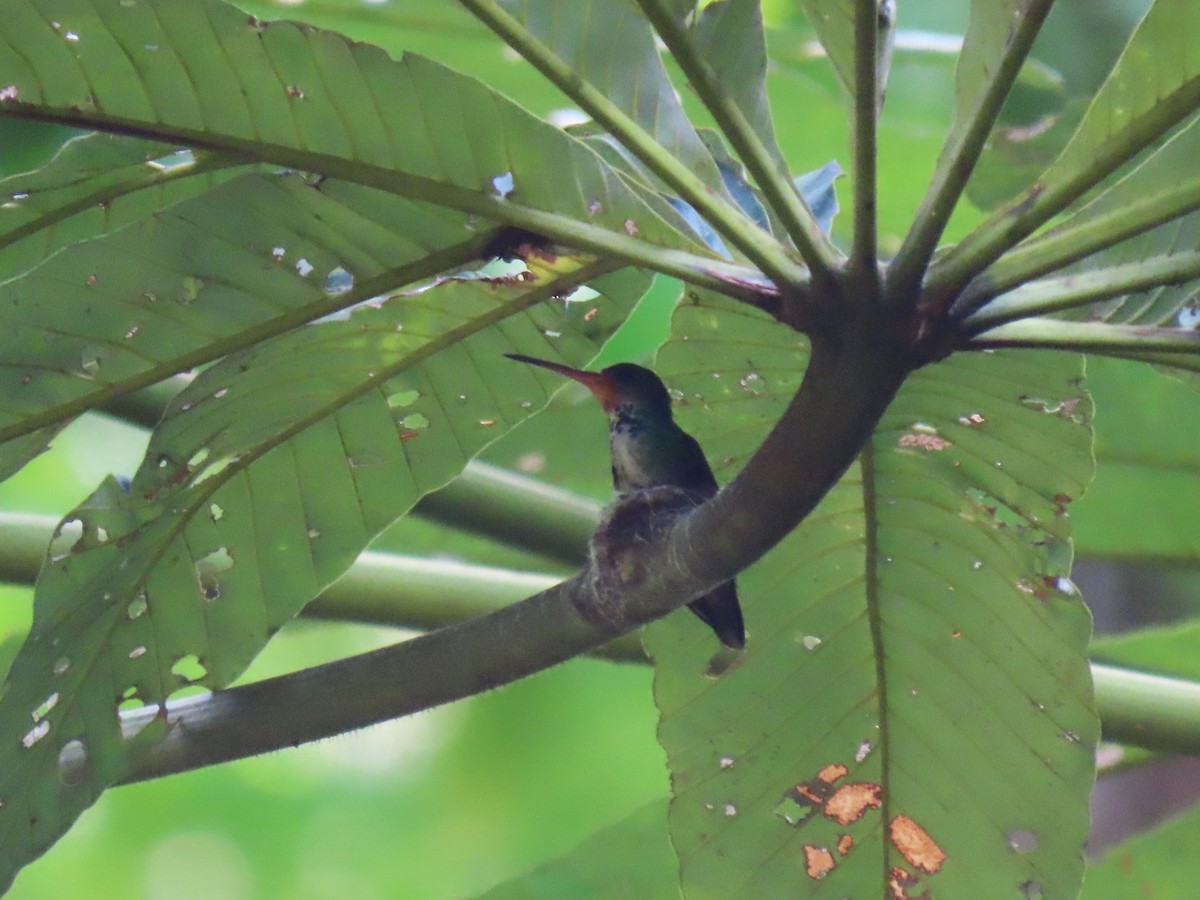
x=209, y=570
x=189, y=668
x=74, y=766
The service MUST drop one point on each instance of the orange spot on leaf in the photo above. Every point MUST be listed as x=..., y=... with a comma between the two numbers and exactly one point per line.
x=899, y=881
x=845, y=844
x=850, y=801
x=818, y=861
x=832, y=773
x=803, y=791
x=915, y=845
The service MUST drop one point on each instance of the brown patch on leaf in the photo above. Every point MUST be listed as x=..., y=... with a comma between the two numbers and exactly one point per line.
x=930, y=443
x=844, y=804
x=845, y=844
x=832, y=773
x=818, y=861
x=915, y=845
x=850, y=801
x=900, y=881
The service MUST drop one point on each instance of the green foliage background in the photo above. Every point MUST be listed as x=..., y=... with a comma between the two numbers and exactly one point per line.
x=453, y=801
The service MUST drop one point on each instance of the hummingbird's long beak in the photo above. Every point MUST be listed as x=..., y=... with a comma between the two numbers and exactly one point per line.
x=601, y=385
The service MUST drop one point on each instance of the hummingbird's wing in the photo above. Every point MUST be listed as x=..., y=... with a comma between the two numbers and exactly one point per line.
x=693, y=471
x=719, y=608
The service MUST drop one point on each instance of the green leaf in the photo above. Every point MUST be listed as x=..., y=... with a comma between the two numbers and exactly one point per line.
x=1032, y=129
x=94, y=185
x=1147, y=211
x=834, y=25
x=1154, y=86
x=631, y=858
x=255, y=495
x=1140, y=505
x=1163, y=650
x=252, y=258
x=1032, y=118
x=729, y=36
x=1153, y=864
x=314, y=101
x=620, y=60
x=914, y=702
x=1157, y=77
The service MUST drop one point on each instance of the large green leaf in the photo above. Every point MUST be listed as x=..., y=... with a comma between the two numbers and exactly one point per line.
x=729, y=36
x=834, y=25
x=1148, y=865
x=630, y=859
x=1158, y=75
x=1162, y=188
x=95, y=184
x=914, y=705
x=1154, y=86
x=620, y=60
x=268, y=475
x=1034, y=120
x=252, y=258
x=1141, y=506
x=312, y=100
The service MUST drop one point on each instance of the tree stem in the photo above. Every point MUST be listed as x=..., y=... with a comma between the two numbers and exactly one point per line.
x=1148, y=711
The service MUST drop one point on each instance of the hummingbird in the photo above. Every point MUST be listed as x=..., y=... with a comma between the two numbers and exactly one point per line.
x=650, y=450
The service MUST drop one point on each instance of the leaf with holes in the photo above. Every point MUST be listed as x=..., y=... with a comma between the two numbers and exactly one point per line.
x=267, y=477
x=312, y=100
x=94, y=185
x=621, y=62
x=913, y=710
x=254, y=257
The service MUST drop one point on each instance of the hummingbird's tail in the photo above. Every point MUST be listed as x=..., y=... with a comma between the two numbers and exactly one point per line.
x=720, y=611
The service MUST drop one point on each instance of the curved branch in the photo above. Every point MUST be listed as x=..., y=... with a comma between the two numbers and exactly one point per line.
x=845, y=391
